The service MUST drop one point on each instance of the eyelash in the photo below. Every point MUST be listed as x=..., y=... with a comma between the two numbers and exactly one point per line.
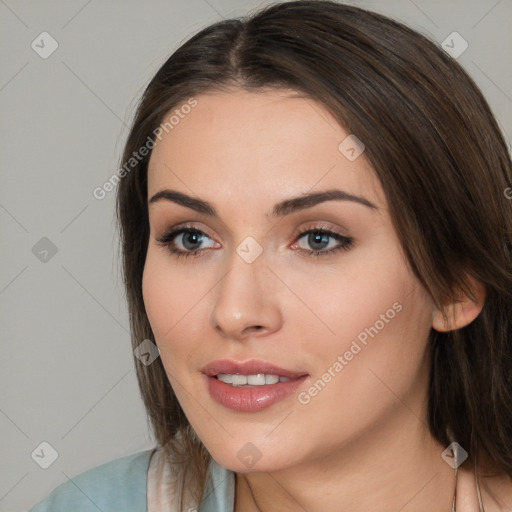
x=167, y=240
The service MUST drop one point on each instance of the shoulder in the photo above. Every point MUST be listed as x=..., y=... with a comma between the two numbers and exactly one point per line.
x=118, y=485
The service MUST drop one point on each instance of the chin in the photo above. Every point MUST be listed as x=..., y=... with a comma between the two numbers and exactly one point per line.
x=271, y=464
x=253, y=456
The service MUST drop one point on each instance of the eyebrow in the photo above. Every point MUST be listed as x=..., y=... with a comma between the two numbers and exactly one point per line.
x=281, y=209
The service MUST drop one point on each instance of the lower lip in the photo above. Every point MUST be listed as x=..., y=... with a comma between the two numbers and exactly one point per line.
x=251, y=399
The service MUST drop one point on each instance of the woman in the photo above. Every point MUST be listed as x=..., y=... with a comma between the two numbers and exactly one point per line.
x=315, y=236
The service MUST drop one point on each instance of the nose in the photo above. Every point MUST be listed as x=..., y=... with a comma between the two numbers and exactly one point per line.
x=246, y=301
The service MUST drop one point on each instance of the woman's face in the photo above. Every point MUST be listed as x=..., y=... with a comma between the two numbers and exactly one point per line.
x=350, y=324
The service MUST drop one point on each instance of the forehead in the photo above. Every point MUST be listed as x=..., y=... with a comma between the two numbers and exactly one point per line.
x=246, y=146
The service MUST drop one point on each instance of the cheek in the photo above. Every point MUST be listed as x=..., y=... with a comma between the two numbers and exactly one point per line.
x=374, y=314
x=372, y=359
x=171, y=300
x=158, y=299
x=382, y=334
x=353, y=295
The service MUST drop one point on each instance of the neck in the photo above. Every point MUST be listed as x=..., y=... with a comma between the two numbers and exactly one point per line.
x=379, y=470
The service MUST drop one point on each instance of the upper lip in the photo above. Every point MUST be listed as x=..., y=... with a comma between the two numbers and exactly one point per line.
x=251, y=367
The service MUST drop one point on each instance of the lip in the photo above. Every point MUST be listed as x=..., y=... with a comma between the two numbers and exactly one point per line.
x=250, y=399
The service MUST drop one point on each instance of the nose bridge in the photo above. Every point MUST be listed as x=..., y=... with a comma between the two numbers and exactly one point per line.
x=244, y=300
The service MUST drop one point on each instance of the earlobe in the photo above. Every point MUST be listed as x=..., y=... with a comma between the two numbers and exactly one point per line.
x=462, y=311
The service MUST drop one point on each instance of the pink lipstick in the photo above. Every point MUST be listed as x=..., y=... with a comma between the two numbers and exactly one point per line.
x=250, y=386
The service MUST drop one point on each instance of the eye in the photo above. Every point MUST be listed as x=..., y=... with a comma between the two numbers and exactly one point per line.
x=188, y=237
x=186, y=241
x=318, y=239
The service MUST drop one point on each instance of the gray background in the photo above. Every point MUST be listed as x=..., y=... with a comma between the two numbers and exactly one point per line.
x=67, y=374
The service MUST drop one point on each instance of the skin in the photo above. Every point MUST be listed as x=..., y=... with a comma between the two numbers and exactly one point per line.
x=361, y=442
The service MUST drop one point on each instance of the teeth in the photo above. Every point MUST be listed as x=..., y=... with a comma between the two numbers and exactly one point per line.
x=256, y=380
x=271, y=379
x=224, y=377
x=259, y=379
x=238, y=380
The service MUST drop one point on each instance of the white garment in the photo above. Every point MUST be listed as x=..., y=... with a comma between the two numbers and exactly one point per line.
x=162, y=491
x=163, y=488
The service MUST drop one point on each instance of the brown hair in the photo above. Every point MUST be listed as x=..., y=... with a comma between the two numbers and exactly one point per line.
x=438, y=153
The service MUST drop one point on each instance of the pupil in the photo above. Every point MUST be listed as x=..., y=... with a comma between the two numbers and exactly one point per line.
x=318, y=238
x=193, y=238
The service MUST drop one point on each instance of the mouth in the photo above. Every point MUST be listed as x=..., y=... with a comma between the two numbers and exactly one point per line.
x=249, y=381
x=253, y=372
x=250, y=386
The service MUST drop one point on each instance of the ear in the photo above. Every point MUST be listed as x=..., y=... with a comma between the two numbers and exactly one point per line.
x=462, y=312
